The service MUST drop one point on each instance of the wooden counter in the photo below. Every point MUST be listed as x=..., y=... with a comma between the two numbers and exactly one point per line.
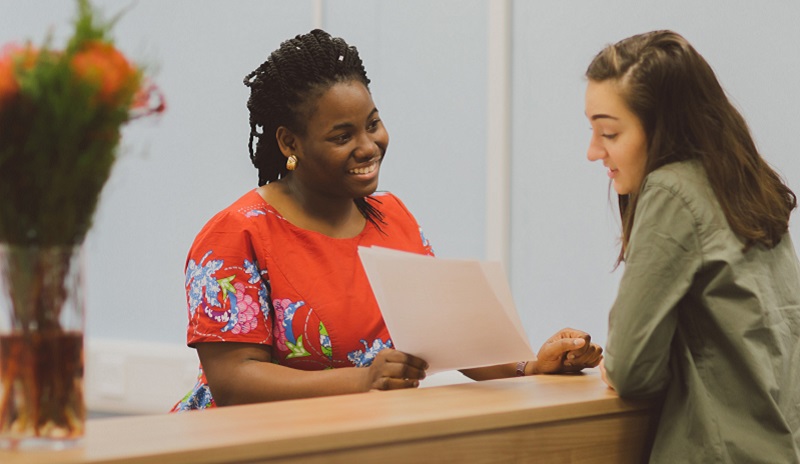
x=571, y=418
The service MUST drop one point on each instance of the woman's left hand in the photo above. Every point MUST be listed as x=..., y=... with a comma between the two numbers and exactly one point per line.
x=569, y=350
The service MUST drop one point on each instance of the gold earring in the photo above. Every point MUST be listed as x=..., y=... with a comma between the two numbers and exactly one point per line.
x=291, y=163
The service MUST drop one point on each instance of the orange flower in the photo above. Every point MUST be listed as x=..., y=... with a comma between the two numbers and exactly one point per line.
x=104, y=66
x=12, y=55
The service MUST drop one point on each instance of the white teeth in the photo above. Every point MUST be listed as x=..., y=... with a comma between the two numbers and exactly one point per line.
x=365, y=170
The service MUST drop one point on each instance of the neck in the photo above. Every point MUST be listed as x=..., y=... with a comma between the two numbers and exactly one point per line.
x=333, y=216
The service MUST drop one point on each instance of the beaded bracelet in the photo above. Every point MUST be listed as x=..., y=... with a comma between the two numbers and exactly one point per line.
x=521, y=368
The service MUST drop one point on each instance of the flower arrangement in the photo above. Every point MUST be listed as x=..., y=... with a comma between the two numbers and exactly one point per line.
x=61, y=113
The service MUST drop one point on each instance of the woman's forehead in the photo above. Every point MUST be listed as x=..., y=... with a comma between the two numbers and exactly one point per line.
x=343, y=100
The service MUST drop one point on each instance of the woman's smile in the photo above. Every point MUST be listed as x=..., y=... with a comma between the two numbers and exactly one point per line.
x=367, y=170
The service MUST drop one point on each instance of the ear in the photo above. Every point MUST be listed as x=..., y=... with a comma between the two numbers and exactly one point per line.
x=287, y=141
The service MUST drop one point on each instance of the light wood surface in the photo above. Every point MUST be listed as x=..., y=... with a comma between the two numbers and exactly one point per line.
x=570, y=418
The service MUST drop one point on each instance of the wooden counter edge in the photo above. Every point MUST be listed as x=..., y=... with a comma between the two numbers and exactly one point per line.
x=248, y=433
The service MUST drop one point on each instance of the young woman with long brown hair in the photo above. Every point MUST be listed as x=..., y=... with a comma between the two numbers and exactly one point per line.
x=708, y=310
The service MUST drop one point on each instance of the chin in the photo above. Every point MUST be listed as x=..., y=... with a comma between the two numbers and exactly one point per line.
x=621, y=189
x=365, y=190
x=368, y=192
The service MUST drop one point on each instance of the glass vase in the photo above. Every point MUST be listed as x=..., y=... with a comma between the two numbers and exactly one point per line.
x=41, y=347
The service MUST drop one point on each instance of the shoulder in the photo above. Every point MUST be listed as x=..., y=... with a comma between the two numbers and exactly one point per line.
x=399, y=229
x=674, y=198
x=679, y=197
x=686, y=182
x=242, y=211
x=390, y=205
x=231, y=233
x=235, y=221
x=685, y=178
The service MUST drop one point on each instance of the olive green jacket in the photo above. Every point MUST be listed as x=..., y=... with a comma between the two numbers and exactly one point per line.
x=712, y=330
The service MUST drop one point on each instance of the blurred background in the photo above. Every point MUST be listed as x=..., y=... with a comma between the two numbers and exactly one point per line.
x=483, y=100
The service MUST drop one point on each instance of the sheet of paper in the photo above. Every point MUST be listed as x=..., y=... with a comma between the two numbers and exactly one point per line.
x=455, y=314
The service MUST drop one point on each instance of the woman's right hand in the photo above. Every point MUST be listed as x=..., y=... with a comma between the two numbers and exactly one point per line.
x=392, y=370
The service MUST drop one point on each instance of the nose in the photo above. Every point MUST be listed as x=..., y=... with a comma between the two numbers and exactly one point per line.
x=365, y=149
x=596, y=150
x=369, y=145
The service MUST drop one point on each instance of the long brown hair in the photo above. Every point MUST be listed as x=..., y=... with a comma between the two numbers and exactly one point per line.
x=687, y=115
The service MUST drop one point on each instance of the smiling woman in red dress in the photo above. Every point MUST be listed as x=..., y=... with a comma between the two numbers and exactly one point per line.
x=279, y=304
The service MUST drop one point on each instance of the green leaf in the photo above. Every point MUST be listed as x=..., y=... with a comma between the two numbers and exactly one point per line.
x=226, y=286
x=297, y=350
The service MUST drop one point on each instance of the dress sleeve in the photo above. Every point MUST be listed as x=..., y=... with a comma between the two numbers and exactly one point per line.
x=426, y=244
x=662, y=258
x=227, y=289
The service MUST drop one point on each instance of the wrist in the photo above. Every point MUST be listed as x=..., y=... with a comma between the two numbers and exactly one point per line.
x=525, y=368
x=520, y=368
x=532, y=367
x=364, y=379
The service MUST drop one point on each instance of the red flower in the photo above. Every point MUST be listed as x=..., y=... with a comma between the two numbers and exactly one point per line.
x=11, y=56
x=104, y=66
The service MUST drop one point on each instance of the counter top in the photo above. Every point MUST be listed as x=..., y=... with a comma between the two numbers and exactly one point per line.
x=575, y=417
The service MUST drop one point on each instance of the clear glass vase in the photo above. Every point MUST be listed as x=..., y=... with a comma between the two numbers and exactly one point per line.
x=41, y=347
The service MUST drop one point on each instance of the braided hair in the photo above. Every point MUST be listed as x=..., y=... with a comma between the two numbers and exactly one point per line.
x=282, y=89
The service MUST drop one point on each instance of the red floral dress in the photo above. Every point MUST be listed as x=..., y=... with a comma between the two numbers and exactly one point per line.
x=253, y=277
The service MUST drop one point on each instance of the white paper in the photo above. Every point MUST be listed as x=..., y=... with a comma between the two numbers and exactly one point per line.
x=454, y=314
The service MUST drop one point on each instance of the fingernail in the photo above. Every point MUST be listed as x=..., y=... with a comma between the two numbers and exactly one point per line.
x=416, y=383
x=570, y=356
x=577, y=341
x=567, y=363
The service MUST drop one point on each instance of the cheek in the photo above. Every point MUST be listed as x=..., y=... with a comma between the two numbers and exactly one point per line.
x=640, y=156
x=637, y=163
x=382, y=138
x=630, y=154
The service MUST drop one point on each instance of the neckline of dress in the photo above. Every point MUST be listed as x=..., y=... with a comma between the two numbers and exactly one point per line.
x=367, y=225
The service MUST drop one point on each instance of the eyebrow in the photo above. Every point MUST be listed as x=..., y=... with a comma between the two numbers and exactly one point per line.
x=348, y=125
x=603, y=116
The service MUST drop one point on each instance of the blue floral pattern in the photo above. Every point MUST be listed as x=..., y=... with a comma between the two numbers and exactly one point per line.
x=198, y=398
x=364, y=358
x=199, y=277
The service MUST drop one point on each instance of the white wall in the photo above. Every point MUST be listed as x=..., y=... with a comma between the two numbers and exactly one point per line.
x=564, y=231
x=428, y=62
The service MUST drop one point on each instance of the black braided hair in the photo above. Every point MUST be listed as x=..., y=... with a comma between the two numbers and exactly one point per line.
x=281, y=88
